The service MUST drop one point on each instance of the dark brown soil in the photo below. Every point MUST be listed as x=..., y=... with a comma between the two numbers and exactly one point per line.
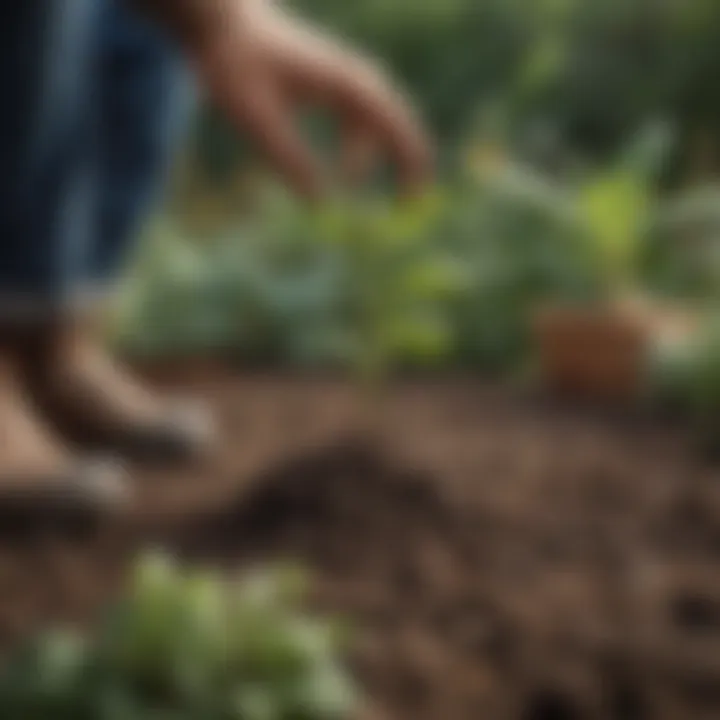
x=500, y=559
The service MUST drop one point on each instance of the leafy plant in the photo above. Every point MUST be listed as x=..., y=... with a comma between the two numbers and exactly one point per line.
x=609, y=212
x=398, y=279
x=370, y=285
x=263, y=292
x=186, y=645
x=515, y=254
x=361, y=284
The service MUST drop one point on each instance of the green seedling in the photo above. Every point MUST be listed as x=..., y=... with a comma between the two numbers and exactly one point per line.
x=397, y=278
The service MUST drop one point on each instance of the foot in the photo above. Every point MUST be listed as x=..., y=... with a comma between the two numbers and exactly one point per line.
x=37, y=472
x=97, y=402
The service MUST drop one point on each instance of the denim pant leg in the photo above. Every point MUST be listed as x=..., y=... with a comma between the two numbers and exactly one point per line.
x=47, y=148
x=147, y=98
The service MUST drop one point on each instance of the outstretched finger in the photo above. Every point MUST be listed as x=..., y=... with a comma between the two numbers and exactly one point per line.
x=312, y=65
x=359, y=156
x=257, y=108
x=390, y=119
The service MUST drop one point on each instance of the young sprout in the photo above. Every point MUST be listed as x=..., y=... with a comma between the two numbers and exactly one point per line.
x=398, y=277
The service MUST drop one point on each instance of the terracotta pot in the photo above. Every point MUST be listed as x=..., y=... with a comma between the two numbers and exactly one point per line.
x=593, y=353
x=601, y=352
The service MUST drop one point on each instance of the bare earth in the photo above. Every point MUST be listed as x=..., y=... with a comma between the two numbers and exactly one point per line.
x=501, y=559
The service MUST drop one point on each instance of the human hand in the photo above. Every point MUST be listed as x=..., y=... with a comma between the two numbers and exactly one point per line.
x=261, y=65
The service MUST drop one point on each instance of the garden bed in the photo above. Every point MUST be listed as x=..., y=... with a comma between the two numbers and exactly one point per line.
x=499, y=557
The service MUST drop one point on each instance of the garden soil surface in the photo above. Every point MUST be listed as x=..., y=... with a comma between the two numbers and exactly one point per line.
x=498, y=556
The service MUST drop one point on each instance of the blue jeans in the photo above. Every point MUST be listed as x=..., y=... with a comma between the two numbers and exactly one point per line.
x=93, y=103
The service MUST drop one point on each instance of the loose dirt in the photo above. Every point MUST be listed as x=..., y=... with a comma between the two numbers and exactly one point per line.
x=499, y=558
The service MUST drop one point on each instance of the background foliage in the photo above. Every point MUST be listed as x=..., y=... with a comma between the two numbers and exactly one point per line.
x=539, y=107
x=560, y=77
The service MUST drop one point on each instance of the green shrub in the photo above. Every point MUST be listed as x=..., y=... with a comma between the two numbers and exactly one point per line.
x=336, y=287
x=186, y=646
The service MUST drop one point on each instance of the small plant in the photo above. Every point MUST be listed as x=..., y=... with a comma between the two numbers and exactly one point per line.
x=187, y=646
x=610, y=212
x=397, y=279
x=597, y=345
x=360, y=283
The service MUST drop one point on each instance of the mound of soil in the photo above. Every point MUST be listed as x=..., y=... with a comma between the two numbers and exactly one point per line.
x=338, y=506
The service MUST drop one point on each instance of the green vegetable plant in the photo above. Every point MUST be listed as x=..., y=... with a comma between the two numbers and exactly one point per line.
x=187, y=645
x=360, y=283
x=611, y=212
x=398, y=279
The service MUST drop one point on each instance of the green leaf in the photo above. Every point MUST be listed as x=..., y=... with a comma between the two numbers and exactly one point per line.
x=185, y=645
x=546, y=59
x=616, y=208
x=421, y=336
x=327, y=694
x=256, y=702
x=433, y=278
